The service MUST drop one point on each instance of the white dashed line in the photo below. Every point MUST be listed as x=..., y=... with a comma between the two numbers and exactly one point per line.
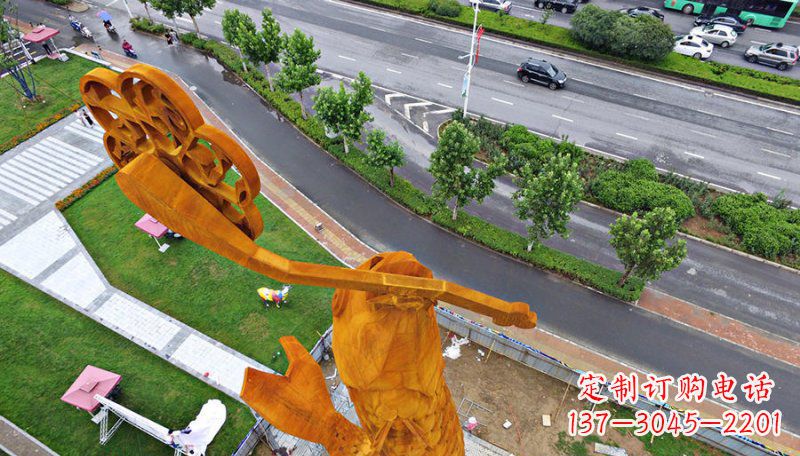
x=702, y=133
x=391, y=70
x=637, y=116
x=627, y=136
x=562, y=118
x=644, y=96
x=525, y=8
x=503, y=101
x=347, y=58
x=780, y=131
x=758, y=42
x=409, y=55
x=218, y=22
x=444, y=85
x=694, y=155
x=769, y=175
x=380, y=29
x=424, y=41
x=572, y=99
x=581, y=80
x=776, y=153
x=707, y=112
x=513, y=83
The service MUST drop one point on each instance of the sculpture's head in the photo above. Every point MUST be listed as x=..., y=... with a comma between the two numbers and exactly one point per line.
x=172, y=164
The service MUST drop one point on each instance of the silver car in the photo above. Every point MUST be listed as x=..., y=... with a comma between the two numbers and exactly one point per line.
x=722, y=35
x=779, y=55
x=494, y=5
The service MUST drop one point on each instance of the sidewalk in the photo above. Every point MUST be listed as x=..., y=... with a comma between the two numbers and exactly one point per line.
x=17, y=442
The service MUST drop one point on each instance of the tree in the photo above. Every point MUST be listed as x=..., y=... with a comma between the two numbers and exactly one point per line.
x=344, y=112
x=299, y=65
x=545, y=198
x=641, y=243
x=238, y=30
x=267, y=44
x=384, y=155
x=453, y=171
x=643, y=37
x=146, y=9
x=192, y=8
x=22, y=74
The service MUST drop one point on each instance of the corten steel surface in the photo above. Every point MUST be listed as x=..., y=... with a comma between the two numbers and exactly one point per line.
x=386, y=344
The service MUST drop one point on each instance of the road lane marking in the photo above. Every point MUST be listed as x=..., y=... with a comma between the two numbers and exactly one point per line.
x=758, y=42
x=183, y=19
x=459, y=68
x=503, y=101
x=707, y=113
x=562, y=118
x=112, y=2
x=218, y=22
x=391, y=70
x=780, y=131
x=694, y=155
x=389, y=96
x=347, y=58
x=627, y=136
x=644, y=96
x=407, y=107
x=635, y=116
x=702, y=134
x=776, y=153
x=572, y=99
x=444, y=85
x=424, y=41
x=769, y=175
x=525, y=8
x=379, y=29
x=514, y=83
x=441, y=111
x=409, y=55
x=581, y=80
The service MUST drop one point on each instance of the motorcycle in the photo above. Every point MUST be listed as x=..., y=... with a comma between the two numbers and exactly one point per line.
x=109, y=27
x=78, y=27
x=131, y=53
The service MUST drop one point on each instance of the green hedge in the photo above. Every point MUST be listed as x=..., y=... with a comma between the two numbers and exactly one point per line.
x=145, y=25
x=405, y=193
x=641, y=38
x=719, y=74
x=764, y=229
x=449, y=8
x=636, y=189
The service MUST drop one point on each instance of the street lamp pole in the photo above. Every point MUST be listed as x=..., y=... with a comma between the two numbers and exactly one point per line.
x=128, y=8
x=468, y=76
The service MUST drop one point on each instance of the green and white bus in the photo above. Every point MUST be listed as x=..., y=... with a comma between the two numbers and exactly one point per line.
x=766, y=13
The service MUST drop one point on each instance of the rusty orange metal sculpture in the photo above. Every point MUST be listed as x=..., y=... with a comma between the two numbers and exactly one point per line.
x=386, y=342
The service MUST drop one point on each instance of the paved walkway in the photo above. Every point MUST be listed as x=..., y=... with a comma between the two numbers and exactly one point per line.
x=17, y=442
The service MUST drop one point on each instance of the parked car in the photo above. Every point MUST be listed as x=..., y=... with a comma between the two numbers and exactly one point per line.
x=643, y=11
x=494, y=5
x=565, y=6
x=541, y=72
x=693, y=46
x=779, y=55
x=716, y=34
x=734, y=22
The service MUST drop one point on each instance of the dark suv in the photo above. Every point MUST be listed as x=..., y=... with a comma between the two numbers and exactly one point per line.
x=734, y=22
x=565, y=6
x=542, y=72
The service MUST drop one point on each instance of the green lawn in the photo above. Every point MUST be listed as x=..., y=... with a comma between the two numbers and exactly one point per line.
x=57, y=82
x=200, y=288
x=44, y=345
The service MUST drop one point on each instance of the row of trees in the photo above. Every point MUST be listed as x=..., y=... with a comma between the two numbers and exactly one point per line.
x=547, y=190
x=546, y=195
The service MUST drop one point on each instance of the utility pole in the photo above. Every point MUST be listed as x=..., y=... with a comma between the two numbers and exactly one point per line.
x=468, y=76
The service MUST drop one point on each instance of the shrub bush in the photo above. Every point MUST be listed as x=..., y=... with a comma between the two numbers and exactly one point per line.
x=146, y=25
x=447, y=8
x=627, y=192
x=641, y=168
x=642, y=38
x=765, y=230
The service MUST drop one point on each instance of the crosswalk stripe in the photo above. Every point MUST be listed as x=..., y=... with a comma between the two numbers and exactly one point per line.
x=84, y=134
x=31, y=175
x=61, y=159
x=99, y=132
x=36, y=156
x=11, y=191
x=45, y=172
x=4, y=222
x=8, y=215
x=19, y=186
x=79, y=153
x=22, y=182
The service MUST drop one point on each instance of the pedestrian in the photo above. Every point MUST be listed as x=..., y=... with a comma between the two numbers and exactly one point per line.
x=87, y=117
x=170, y=40
x=47, y=48
x=80, y=116
x=174, y=34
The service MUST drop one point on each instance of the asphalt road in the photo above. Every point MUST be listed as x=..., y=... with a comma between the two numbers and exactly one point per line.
x=681, y=24
x=619, y=330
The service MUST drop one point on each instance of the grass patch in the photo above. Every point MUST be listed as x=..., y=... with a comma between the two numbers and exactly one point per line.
x=199, y=287
x=44, y=345
x=719, y=74
x=57, y=83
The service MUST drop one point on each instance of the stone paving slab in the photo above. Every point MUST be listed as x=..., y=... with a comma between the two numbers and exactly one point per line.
x=131, y=319
x=30, y=252
x=222, y=365
x=76, y=281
